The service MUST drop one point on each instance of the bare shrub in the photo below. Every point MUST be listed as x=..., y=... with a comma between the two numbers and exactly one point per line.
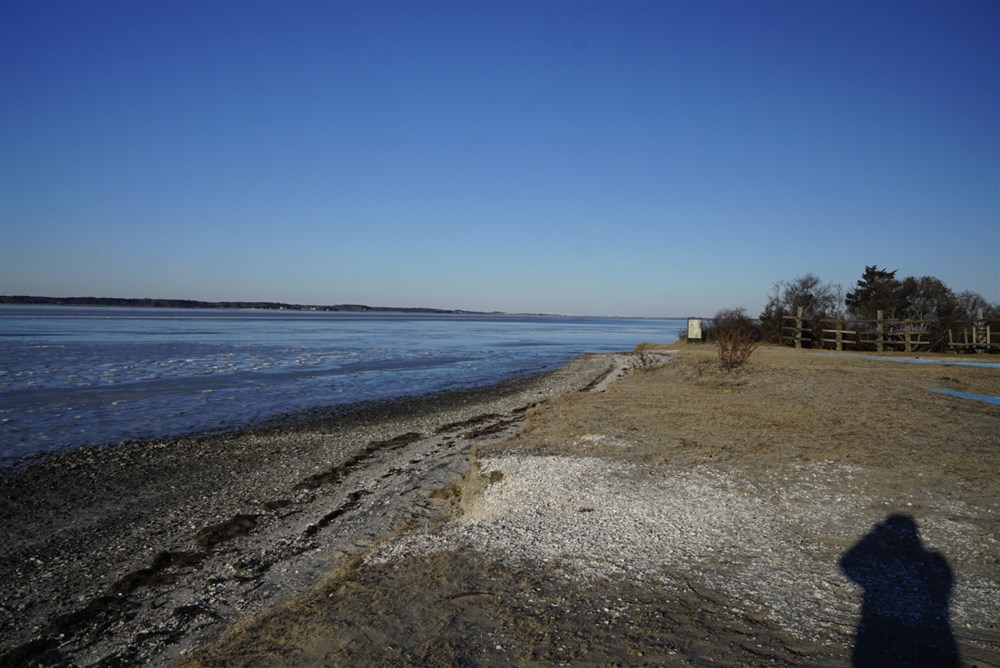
x=729, y=319
x=735, y=348
x=645, y=357
x=818, y=301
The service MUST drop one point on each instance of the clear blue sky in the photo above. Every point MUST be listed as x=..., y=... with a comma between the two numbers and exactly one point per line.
x=640, y=158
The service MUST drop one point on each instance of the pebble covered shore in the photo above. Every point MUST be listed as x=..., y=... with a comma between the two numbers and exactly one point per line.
x=139, y=552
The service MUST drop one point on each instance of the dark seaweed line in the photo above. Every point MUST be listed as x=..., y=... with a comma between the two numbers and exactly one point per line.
x=589, y=387
x=339, y=472
x=99, y=614
x=91, y=621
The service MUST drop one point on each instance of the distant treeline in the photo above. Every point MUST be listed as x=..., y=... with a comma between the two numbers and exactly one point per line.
x=921, y=305
x=192, y=303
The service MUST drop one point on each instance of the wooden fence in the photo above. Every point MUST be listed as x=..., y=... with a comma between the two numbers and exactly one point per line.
x=974, y=337
x=884, y=334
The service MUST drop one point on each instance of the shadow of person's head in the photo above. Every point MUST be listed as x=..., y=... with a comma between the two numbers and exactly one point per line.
x=899, y=534
x=904, y=613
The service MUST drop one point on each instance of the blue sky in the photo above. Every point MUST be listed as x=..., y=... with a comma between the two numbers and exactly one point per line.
x=635, y=158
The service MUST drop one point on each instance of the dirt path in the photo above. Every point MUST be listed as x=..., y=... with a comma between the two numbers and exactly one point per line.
x=687, y=516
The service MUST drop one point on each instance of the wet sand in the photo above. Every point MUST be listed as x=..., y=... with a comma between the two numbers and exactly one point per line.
x=676, y=515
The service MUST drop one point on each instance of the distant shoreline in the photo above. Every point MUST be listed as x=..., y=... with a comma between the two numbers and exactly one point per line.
x=26, y=300
x=147, y=302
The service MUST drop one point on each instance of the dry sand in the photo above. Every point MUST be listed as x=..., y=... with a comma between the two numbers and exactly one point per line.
x=679, y=515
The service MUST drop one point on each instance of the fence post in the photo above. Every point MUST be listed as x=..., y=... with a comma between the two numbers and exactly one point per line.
x=798, y=327
x=840, y=332
x=880, y=332
x=907, y=330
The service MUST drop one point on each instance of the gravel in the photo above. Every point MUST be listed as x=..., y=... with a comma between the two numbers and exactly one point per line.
x=772, y=548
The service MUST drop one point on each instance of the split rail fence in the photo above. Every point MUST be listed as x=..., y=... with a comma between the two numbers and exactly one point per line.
x=884, y=334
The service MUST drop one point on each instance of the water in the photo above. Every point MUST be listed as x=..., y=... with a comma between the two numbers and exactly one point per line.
x=80, y=376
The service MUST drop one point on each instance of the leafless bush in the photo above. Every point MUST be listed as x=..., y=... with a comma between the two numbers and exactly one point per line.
x=645, y=358
x=729, y=319
x=735, y=348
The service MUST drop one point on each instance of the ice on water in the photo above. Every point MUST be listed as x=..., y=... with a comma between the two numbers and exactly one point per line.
x=72, y=377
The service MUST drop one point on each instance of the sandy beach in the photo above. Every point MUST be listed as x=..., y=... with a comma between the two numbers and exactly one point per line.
x=674, y=514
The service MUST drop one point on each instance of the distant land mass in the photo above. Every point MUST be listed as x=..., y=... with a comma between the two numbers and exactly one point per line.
x=192, y=303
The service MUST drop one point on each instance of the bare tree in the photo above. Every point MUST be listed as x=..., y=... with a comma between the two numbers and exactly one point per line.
x=817, y=299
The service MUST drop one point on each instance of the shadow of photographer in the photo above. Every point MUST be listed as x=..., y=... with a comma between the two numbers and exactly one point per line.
x=904, y=615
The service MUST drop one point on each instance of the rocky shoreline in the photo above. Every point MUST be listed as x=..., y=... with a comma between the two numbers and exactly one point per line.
x=137, y=553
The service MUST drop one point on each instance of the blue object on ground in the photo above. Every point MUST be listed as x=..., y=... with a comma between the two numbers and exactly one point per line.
x=967, y=395
x=920, y=360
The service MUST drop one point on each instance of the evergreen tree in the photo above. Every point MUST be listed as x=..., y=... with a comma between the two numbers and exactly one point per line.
x=877, y=290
